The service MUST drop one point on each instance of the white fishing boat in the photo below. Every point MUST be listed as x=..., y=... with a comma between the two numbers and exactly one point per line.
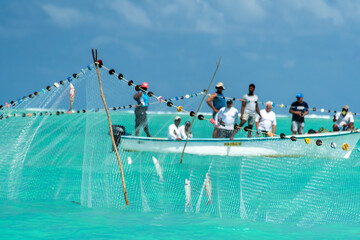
x=328, y=145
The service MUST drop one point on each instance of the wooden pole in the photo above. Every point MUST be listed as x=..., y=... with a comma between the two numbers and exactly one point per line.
x=110, y=126
x=207, y=90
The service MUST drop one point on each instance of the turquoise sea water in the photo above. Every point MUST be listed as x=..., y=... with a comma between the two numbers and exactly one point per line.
x=59, y=180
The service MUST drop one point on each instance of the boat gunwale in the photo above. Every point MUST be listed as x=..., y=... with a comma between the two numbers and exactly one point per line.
x=315, y=135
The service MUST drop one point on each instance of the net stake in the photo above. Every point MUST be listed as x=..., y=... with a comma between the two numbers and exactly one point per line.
x=110, y=125
x=202, y=100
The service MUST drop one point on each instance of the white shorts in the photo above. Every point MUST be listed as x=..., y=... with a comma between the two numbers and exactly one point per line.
x=297, y=127
x=250, y=118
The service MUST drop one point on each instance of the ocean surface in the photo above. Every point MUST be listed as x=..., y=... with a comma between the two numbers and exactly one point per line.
x=60, y=180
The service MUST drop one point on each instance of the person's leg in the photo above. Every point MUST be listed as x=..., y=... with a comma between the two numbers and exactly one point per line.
x=146, y=129
x=137, y=121
x=215, y=133
x=301, y=127
x=250, y=131
x=145, y=123
x=251, y=122
x=293, y=127
x=335, y=128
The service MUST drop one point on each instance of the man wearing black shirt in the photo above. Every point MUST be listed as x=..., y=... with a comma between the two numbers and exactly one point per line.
x=298, y=109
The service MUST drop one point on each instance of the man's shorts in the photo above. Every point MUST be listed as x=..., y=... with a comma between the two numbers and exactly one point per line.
x=250, y=118
x=225, y=133
x=297, y=127
x=341, y=128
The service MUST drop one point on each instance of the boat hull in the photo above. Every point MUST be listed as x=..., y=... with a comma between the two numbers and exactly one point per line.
x=272, y=146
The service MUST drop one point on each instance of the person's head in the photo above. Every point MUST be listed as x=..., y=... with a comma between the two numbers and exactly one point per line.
x=145, y=86
x=220, y=87
x=251, y=88
x=229, y=103
x=344, y=110
x=269, y=106
x=187, y=125
x=177, y=121
x=300, y=97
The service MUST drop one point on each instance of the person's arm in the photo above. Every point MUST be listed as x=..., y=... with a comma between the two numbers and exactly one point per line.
x=218, y=117
x=350, y=125
x=293, y=111
x=209, y=102
x=137, y=97
x=307, y=110
x=182, y=132
x=257, y=120
x=306, y=113
x=274, y=124
x=334, y=119
x=236, y=117
x=258, y=111
x=274, y=129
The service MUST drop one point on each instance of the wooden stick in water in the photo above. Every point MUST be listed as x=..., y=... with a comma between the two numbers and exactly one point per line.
x=110, y=126
x=202, y=100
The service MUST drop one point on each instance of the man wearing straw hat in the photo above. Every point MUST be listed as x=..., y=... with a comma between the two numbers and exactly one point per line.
x=216, y=101
x=344, y=120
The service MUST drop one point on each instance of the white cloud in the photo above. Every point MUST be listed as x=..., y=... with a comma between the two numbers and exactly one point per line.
x=321, y=10
x=63, y=16
x=244, y=10
x=251, y=56
x=289, y=63
x=132, y=13
x=103, y=40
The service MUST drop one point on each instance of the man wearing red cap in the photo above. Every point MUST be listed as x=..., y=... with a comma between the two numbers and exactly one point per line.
x=140, y=111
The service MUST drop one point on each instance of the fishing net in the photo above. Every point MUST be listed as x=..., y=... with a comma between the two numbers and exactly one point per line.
x=49, y=152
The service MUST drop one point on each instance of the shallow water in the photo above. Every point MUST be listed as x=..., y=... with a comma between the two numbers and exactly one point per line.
x=46, y=171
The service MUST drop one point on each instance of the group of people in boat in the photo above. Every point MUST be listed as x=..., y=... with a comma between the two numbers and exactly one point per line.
x=226, y=116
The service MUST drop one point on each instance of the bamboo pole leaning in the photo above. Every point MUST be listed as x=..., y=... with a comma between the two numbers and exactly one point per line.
x=110, y=125
x=202, y=100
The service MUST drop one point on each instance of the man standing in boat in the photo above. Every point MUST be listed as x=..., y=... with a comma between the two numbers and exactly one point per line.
x=226, y=119
x=267, y=125
x=216, y=101
x=249, y=108
x=174, y=131
x=344, y=120
x=299, y=110
x=142, y=100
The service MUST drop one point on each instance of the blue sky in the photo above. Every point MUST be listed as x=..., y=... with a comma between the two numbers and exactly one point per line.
x=282, y=46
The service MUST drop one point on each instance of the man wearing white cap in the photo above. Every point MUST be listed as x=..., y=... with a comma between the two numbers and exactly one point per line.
x=344, y=120
x=226, y=119
x=174, y=131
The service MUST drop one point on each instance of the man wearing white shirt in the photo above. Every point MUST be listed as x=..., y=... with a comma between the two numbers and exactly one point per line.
x=225, y=120
x=173, y=131
x=267, y=122
x=249, y=108
x=185, y=130
x=344, y=120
